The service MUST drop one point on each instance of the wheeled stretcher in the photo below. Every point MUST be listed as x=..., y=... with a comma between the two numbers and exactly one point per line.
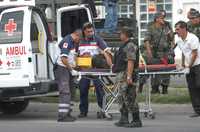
x=112, y=88
x=150, y=71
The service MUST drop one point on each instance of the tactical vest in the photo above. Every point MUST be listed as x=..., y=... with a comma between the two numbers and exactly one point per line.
x=120, y=62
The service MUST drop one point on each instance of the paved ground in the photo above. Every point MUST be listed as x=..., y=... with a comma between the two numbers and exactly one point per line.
x=40, y=117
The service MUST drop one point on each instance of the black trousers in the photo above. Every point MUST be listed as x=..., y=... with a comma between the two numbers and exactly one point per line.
x=193, y=81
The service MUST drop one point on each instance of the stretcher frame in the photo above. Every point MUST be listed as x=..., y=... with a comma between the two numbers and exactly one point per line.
x=147, y=110
x=111, y=93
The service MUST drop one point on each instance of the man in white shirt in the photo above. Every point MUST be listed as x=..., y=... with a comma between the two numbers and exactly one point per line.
x=189, y=45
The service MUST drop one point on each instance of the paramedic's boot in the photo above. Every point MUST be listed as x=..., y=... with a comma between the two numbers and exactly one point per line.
x=65, y=117
x=123, y=119
x=136, y=122
x=82, y=115
x=155, y=89
x=164, y=89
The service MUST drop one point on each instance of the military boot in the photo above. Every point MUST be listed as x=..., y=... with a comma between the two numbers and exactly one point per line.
x=136, y=122
x=123, y=119
x=164, y=89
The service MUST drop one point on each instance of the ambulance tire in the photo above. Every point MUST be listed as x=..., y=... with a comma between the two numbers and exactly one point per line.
x=12, y=108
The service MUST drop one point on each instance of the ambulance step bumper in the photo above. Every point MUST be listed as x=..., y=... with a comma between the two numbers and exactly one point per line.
x=28, y=91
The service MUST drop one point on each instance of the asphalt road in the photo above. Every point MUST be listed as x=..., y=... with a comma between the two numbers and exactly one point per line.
x=41, y=117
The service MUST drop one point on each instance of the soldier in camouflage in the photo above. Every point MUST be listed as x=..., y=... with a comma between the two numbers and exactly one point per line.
x=194, y=22
x=158, y=42
x=125, y=65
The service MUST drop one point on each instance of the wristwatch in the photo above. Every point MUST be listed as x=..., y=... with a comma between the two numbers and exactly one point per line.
x=129, y=78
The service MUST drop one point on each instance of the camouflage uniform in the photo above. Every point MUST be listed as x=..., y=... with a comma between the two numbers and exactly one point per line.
x=127, y=96
x=160, y=42
x=195, y=29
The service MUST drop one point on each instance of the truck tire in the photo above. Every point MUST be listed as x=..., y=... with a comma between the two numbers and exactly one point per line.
x=15, y=107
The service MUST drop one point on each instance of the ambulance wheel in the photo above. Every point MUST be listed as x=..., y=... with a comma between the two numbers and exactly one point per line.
x=15, y=107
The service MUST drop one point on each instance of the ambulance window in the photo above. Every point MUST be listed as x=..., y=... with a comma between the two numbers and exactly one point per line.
x=72, y=20
x=11, y=27
x=34, y=38
x=34, y=35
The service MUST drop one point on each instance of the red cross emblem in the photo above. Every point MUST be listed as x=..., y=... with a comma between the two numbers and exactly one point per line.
x=8, y=63
x=10, y=27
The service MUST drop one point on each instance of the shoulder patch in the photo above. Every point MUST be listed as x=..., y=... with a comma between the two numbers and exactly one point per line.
x=65, y=45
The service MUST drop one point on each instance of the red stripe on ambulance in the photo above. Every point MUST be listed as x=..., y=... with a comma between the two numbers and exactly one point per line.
x=16, y=50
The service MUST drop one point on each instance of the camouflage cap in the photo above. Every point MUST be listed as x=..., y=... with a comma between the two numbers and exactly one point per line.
x=163, y=13
x=193, y=14
x=157, y=15
x=192, y=10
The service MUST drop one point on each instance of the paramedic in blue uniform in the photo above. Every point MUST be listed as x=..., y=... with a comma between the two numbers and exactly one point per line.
x=64, y=66
x=91, y=45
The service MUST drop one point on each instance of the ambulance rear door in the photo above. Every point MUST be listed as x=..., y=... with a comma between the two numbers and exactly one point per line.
x=39, y=43
x=16, y=67
x=71, y=18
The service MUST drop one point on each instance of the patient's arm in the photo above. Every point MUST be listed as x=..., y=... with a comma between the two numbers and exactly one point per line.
x=108, y=57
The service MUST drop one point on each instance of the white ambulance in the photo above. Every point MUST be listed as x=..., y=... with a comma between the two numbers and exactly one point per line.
x=26, y=53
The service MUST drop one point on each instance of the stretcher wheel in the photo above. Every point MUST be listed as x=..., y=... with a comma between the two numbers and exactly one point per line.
x=108, y=116
x=102, y=115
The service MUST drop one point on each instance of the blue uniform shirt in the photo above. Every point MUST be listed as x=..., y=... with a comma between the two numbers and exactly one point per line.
x=67, y=49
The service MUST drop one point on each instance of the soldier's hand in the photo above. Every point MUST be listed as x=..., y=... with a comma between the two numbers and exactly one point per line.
x=129, y=81
x=74, y=73
x=183, y=65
